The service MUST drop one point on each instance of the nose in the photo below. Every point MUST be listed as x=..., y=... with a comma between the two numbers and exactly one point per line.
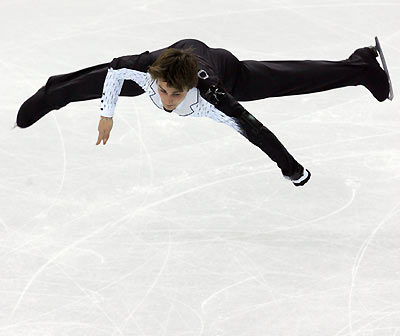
x=169, y=100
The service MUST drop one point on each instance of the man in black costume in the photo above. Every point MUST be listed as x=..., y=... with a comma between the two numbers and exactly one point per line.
x=191, y=79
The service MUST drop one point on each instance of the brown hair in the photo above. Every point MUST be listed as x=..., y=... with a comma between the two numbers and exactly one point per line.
x=176, y=67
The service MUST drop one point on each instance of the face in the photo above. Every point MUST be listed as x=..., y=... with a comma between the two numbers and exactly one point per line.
x=170, y=96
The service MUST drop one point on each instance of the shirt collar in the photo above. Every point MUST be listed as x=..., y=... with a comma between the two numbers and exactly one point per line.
x=184, y=107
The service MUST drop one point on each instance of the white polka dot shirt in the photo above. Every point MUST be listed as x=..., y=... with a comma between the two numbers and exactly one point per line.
x=193, y=105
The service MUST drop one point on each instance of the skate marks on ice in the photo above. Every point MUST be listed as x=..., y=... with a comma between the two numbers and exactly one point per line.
x=220, y=275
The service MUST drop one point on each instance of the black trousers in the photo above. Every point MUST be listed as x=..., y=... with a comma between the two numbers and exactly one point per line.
x=245, y=80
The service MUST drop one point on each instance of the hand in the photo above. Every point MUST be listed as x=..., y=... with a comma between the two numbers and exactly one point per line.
x=105, y=126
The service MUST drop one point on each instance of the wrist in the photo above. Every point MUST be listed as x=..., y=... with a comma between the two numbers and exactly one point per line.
x=105, y=118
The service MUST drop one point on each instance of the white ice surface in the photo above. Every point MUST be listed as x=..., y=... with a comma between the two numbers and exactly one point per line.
x=180, y=226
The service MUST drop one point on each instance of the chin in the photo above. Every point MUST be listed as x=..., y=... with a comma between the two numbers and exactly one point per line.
x=168, y=109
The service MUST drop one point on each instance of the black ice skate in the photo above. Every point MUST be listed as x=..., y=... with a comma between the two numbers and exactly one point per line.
x=379, y=51
x=300, y=178
x=374, y=78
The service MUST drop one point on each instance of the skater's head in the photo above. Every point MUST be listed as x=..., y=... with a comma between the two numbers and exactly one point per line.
x=176, y=67
x=176, y=73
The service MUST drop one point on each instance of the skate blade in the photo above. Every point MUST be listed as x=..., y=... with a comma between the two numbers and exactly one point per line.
x=382, y=57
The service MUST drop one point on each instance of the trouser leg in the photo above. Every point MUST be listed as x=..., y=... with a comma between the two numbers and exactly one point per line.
x=253, y=130
x=61, y=90
x=263, y=138
x=263, y=79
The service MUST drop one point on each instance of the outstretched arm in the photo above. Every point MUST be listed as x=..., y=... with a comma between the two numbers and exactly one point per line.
x=132, y=68
x=112, y=88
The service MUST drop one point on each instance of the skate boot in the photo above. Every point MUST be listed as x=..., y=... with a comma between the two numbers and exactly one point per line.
x=375, y=79
x=299, y=178
x=33, y=109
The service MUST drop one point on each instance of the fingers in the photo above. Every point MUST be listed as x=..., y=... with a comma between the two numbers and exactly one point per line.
x=99, y=139
x=103, y=136
x=105, y=126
